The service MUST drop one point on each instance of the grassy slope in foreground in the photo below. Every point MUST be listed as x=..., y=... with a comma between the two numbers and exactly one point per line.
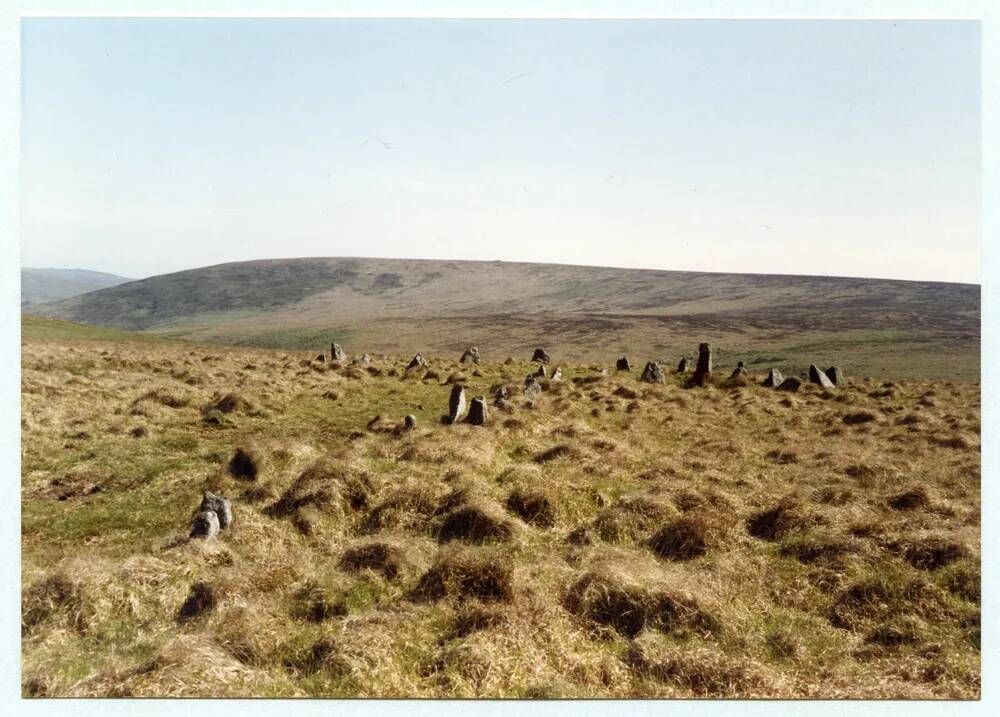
x=615, y=539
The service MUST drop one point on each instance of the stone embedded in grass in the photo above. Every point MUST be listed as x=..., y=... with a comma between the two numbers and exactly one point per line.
x=556, y=375
x=471, y=355
x=774, y=379
x=740, y=370
x=684, y=365
x=321, y=358
x=478, y=412
x=819, y=377
x=540, y=355
x=219, y=505
x=790, y=384
x=416, y=362
x=501, y=394
x=836, y=375
x=704, y=368
x=337, y=352
x=532, y=389
x=652, y=373
x=206, y=525
x=456, y=404
x=622, y=364
x=541, y=372
x=409, y=421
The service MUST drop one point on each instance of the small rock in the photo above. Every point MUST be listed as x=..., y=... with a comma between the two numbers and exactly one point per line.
x=206, y=525
x=818, y=377
x=456, y=404
x=774, y=378
x=790, y=384
x=363, y=358
x=219, y=505
x=540, y=355
x=478, y=412
x=556, y=375
x=622, y=364
x=652, y=373
x=337, y=353
x=410, y=421
x=321, y=358
x=740, y=370
x=683, y=366
x=471, y=355
x=416, y=362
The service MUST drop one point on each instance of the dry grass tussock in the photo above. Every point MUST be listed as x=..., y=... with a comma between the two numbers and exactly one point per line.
x=603, y=538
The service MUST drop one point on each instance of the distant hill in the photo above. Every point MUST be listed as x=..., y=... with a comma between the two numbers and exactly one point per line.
x=877, y=326
x=42, y=285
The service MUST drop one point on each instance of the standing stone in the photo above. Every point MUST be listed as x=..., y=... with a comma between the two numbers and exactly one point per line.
x=818, y=377
x=790, y=384
x=704, y=368
x=219, y=505
x=337, y=353
x=740, y=370
x=652, y=373
x=836, y=375
x=532, y=389
x=364, y=358
x=471, y=355
x=622, y=364
x=541, y=372
x=410, y=421
x=500, y=397
x=321, y=358
x=557, y=374
x=477, y=412
x=774, y=378
x=416, y=362
x=683, y=366
x=206, y=525
x=456, y=404
x=540, y=355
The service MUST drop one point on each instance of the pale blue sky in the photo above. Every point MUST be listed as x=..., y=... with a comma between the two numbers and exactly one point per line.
x=810, y=147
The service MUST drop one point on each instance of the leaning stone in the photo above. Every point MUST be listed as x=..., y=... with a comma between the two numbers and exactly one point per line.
x=321, y=358
x=337, y=353
x=541, y=372
x=652, y=373
x=471, y=355
x=740, y=370
x=622, y=364
x=206, y=525
x=836, y=375
x=818, y=377
x=774, y=378
x=704, y=368
x=790, y=384
x=556, y=375
x=410, y=421
x=219, y=505
x=416, y=362
x=456, y=404
x=683, y=366
x=540, y=355
x=477, y=412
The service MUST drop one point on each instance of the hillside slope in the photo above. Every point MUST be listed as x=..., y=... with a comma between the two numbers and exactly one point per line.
x=390, y=305
x=42, y=285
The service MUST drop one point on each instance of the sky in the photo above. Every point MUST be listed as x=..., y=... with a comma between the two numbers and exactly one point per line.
x=847, y=148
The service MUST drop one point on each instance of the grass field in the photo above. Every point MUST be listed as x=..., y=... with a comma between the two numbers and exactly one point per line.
x=611, y=538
